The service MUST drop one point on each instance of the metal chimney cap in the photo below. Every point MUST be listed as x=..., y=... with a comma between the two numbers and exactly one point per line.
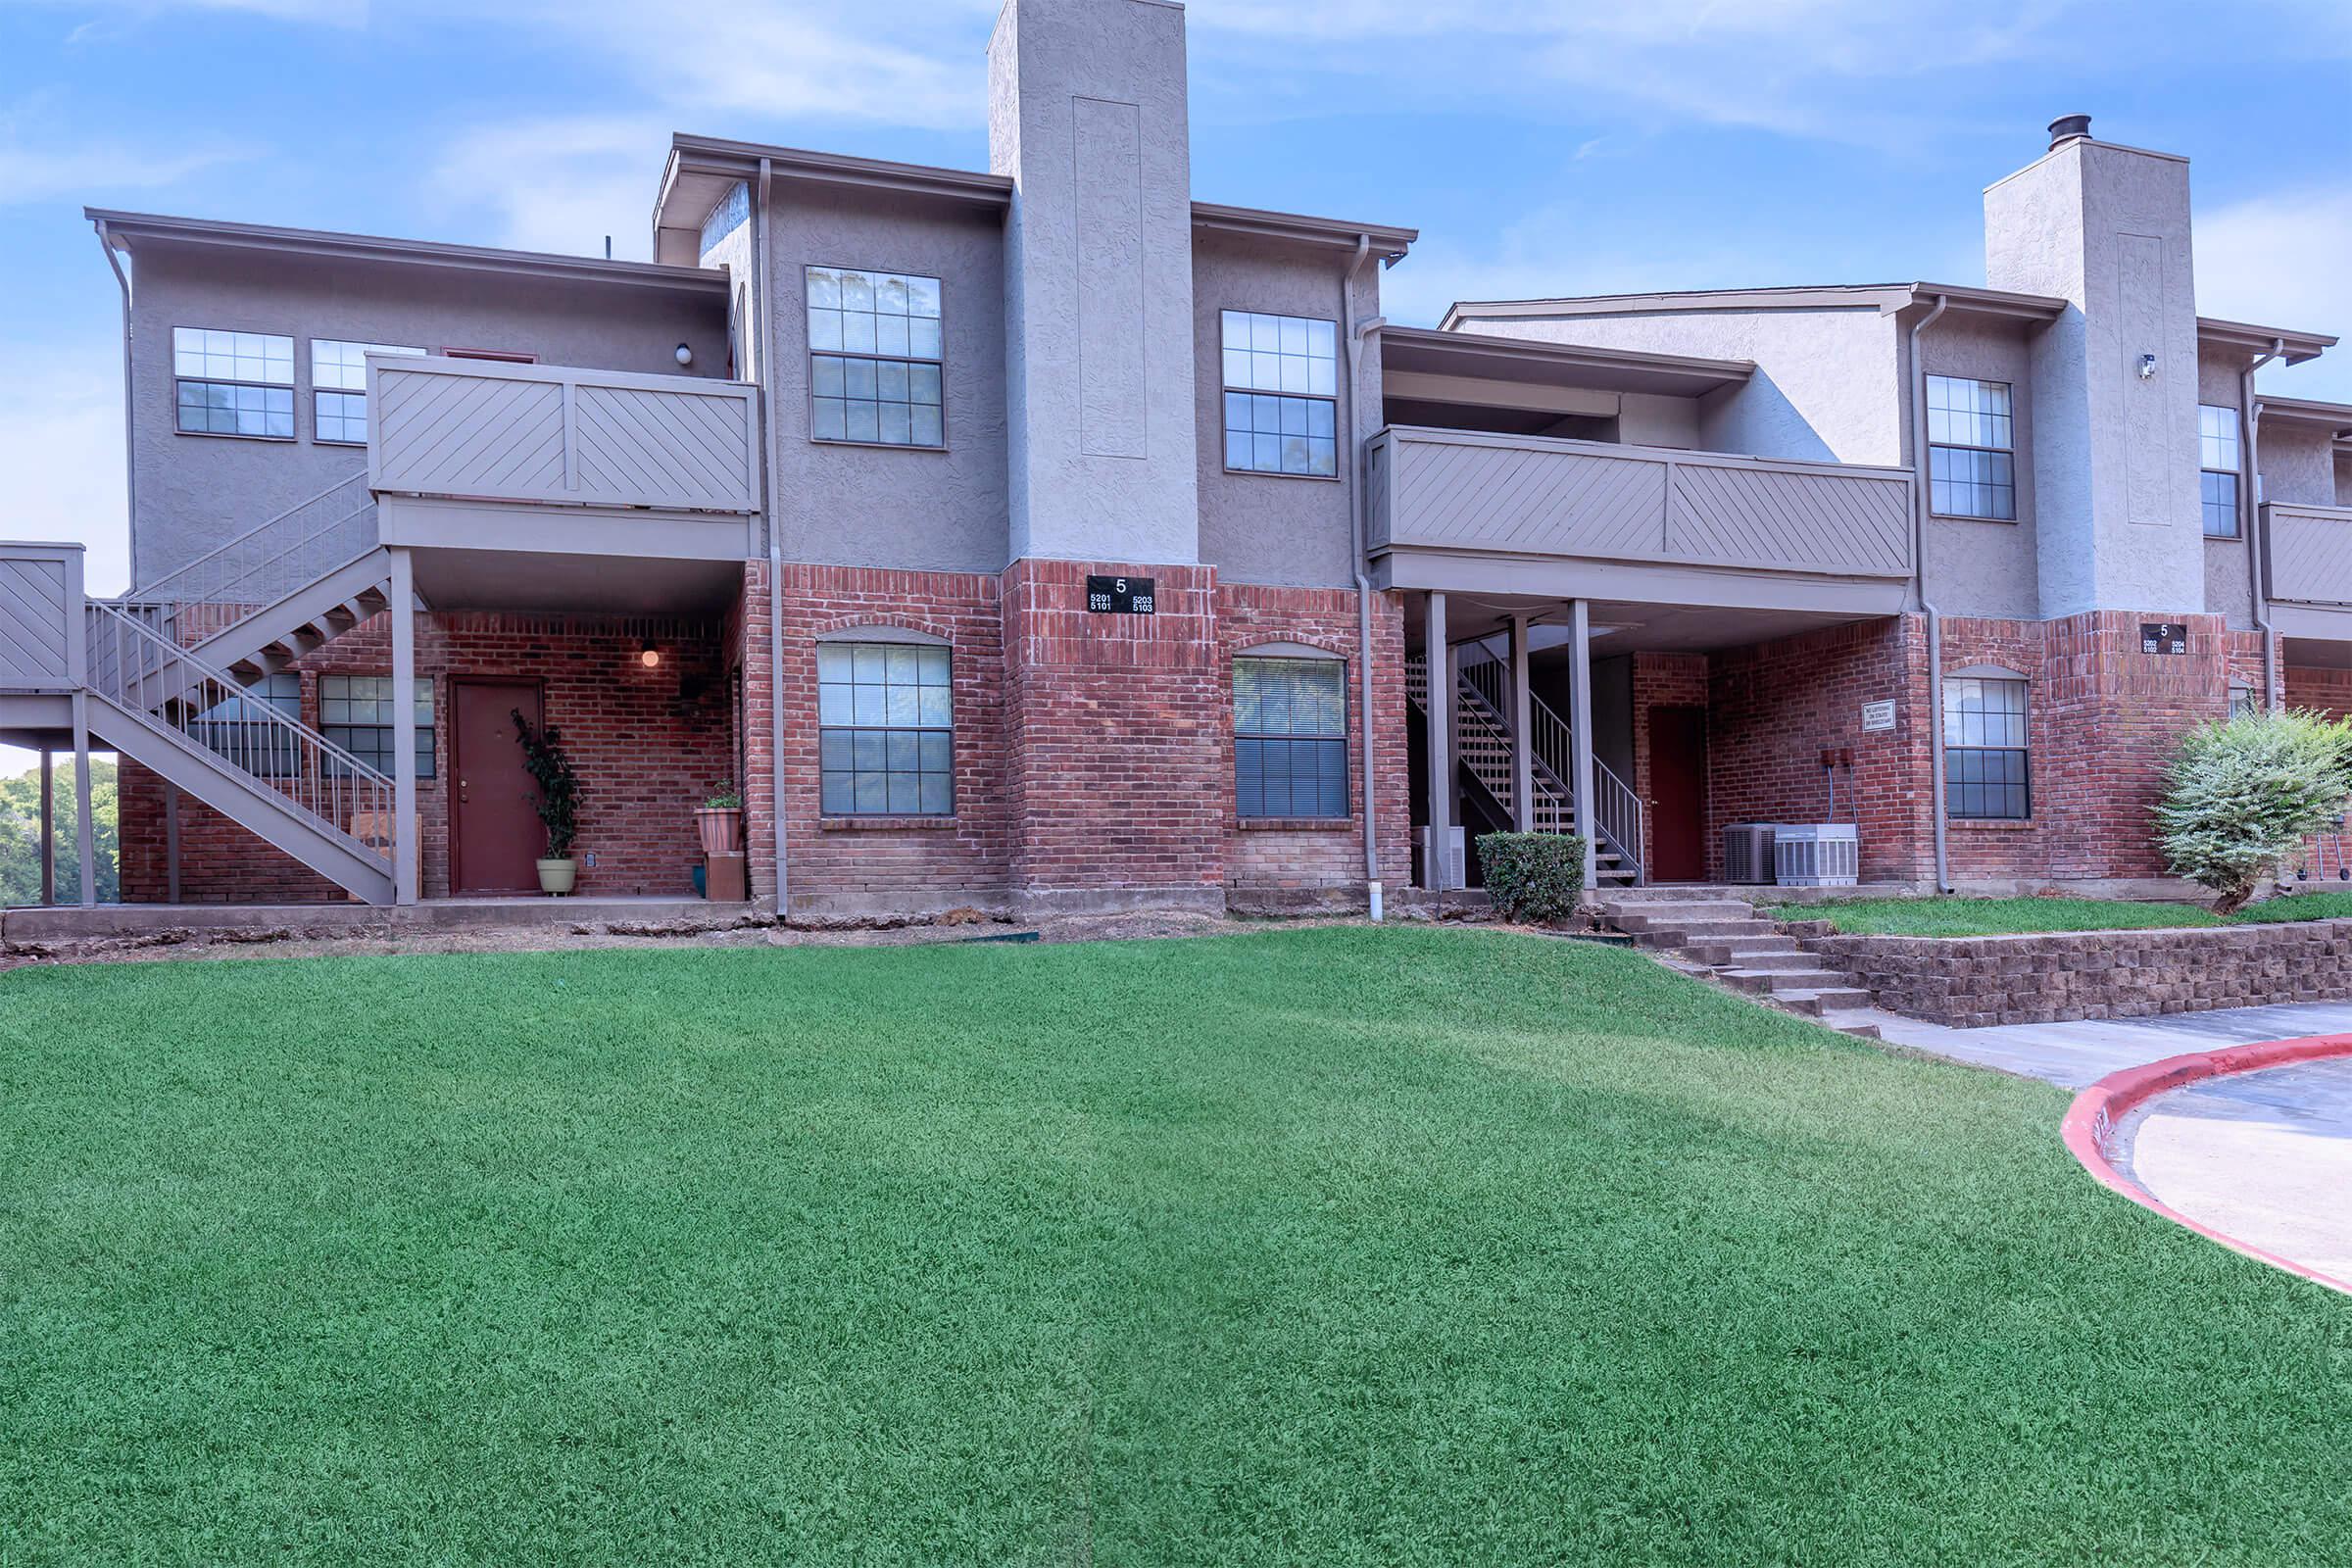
x=2069, y=127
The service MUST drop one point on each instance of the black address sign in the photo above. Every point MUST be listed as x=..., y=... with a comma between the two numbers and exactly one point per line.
x=1119, y=595
x=2163, y=637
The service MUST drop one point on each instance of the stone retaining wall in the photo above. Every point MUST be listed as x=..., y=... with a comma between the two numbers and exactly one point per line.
x=1971, y=982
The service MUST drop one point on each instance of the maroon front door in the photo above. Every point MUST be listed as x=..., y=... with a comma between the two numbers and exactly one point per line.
x=1678, y=793
x=495, y=839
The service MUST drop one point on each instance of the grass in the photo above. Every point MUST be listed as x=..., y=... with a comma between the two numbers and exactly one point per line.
x=1993, y=917
x=1347, y=1246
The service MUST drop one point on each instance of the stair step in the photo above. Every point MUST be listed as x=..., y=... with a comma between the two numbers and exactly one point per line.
x=1643, y=916
x=1818, y=1002
x=1859, y=1022
x=1691, y=933
x=1758, y=959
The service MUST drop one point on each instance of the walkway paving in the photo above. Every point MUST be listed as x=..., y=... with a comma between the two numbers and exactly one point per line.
x=2077, y=1055
x=2262, y=1157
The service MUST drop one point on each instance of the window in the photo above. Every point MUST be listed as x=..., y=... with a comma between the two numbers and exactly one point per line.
x=239, y=727
x=2242, y=702
x=339, y=388
x=1985, y=772
x=886, y=738
x=2218, y=455
x=1290, y=737
x=233, y=383
x=1281, y=394
x=874, y=357
x=1972, y=467
x=357, y=713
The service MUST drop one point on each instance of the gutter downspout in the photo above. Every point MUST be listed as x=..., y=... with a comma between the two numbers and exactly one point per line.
x=2257, y=557
x=1919, y=570
x=131, y=449
x=762, y=272
x=1350, y=333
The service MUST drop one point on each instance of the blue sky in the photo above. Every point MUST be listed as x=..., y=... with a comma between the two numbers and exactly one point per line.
x=1541, y=146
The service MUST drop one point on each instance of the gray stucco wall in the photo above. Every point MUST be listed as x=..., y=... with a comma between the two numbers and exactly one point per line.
x=1977, y=567
x=859, y=505
x=1824, y=386
x=197, y=492
x=1651, y=420
x=1275, y=528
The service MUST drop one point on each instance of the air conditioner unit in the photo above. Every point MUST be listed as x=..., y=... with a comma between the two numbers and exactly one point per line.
x=1817, y=855
x=1458, y=867
x=1748, y=851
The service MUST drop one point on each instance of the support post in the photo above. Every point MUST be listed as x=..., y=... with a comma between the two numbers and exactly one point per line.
x=171, y=844
x=48, y=826
x=84, y=845
x=1580, y=730
x=1440, y=658
x=403, y=606
x=1523, y=733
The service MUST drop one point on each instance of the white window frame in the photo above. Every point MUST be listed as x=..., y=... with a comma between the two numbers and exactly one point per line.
x=2221, y=453
x=1335, y=740
x=1955, y=716
x=341, y=385
x=885, y=644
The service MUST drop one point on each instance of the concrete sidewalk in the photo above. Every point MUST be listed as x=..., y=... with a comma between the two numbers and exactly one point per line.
x=2077, y=1055
x=2262, y=1156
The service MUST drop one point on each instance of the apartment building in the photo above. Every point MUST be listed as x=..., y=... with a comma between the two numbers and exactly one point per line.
x=1046, y=539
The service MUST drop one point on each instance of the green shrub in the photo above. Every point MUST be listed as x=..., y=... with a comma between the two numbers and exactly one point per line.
x=1533, y=876
x=546, y=759
x=2242, y=794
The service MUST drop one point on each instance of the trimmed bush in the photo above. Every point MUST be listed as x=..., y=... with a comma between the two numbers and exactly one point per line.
x=1533, y=876
x=2244, y=795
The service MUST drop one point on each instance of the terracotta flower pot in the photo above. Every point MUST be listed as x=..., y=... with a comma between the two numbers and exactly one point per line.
x=722, y=829
x=556, y=877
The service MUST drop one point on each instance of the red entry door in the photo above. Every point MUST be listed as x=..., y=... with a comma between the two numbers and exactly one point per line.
x=495, y=838
x=1678, y=793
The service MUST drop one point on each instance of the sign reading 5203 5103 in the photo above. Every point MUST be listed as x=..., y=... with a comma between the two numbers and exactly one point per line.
x=1119, y=595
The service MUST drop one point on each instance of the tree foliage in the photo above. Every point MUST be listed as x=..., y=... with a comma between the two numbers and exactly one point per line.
x=21, y=834
x=2244, y=795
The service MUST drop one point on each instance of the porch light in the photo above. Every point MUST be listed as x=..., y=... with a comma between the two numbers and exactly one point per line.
x=685, y=355
x=648, y=655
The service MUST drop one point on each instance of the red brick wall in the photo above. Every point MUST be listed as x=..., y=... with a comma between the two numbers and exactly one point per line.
x=651, y=745
x=1265, y=863
x=1116, y=738
x=894, y=865
x=1773, y=708
x=2325, y=691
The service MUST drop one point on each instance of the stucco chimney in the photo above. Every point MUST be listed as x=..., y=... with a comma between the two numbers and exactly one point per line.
x=2066, y=128
x=1087, y=113
x=2114, y=389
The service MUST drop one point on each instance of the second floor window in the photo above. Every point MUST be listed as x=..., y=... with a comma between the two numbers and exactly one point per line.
x=233, y=383
x=874, y=357
x=2219, y=463
x=1972, y=463
x=1987, y=768
x=1281, y=394
x=339, y=388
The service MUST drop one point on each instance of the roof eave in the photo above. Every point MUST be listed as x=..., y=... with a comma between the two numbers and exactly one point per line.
x=716, y=155
x=2297, y=347
x=1388, y=242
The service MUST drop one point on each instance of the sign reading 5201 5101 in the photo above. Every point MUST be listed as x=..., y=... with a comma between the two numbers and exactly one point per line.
x=1119, y=595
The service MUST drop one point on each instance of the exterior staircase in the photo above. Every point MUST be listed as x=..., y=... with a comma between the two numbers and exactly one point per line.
x=1484, y=744
x=1722, y=937
x=170, y=664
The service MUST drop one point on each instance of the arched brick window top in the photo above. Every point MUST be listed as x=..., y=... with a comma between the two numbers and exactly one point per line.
x=1290, y=650
x=1985, y=672
x=905, y=635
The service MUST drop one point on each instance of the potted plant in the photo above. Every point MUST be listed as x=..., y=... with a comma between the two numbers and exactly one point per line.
x=558, y=804
x=719, y=822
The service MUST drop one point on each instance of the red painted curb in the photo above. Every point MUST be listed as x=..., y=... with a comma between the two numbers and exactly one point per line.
x=2096, y=1110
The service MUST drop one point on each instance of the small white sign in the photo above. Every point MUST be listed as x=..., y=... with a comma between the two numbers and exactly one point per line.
x=1878, y=715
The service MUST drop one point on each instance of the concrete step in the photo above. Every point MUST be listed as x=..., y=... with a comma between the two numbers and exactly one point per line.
x=1782, y=980
x=1820, y=1001
x=1855, y=1021
x=1755, y=961
x=1661, y=917
x=1731, y=952
x=1693, y=933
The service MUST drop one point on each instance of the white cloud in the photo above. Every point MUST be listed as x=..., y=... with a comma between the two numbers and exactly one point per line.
x=2275, y=259
x=560, y=184
x=42, y=159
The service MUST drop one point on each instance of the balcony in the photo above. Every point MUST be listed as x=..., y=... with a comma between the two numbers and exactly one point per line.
x=468, y=454
x=1465, y=511
x=2310, y=568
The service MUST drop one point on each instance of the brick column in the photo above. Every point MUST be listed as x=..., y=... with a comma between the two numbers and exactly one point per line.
x=1114, y=732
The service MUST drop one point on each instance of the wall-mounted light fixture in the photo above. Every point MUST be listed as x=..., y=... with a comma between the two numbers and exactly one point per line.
x=685, y=355
x=2148, y=367
x=648, y=655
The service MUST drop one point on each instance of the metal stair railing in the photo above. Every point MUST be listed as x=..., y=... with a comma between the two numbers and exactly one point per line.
x=130, y=662
x=300, y=544
x=2326, y=855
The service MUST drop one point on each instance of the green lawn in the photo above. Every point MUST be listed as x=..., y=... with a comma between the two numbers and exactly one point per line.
x=1993, y=918
x=1326, y=1247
